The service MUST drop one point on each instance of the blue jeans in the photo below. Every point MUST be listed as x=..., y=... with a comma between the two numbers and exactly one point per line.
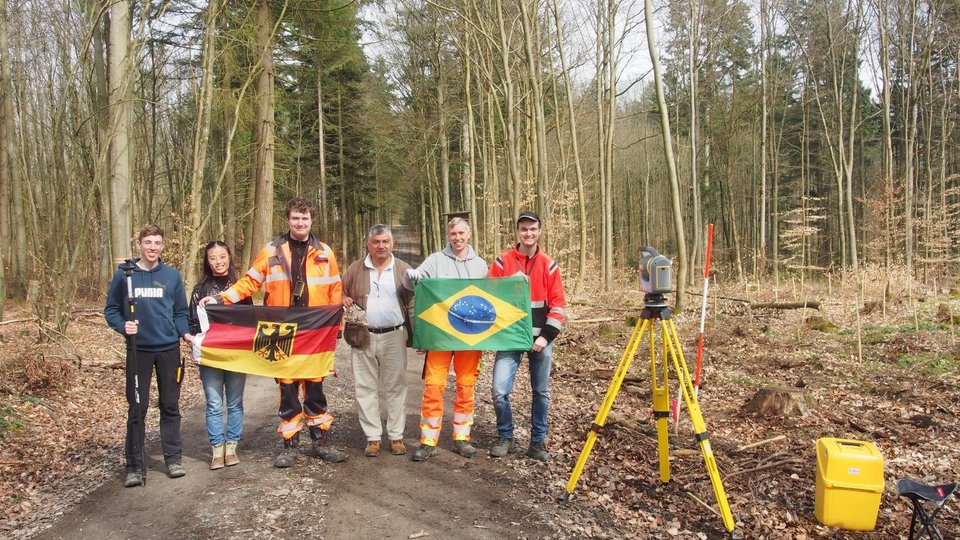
x=215, y=381
x=505, y=372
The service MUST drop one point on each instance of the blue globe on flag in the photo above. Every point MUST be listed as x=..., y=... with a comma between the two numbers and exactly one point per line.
x=472, y=314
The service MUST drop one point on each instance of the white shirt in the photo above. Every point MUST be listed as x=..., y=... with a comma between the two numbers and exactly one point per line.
x=383, y=302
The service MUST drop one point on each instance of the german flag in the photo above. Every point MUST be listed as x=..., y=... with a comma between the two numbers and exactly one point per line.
x=281, y=342
x=489, y=314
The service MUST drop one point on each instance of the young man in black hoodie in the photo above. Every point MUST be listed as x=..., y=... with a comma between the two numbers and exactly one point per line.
x=162, y=318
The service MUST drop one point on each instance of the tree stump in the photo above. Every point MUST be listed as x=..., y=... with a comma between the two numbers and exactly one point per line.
x=779, y=401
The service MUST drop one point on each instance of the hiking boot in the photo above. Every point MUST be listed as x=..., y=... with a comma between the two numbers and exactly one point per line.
x=230, y=455
x=465, y=449
x=176, y=470
x=502, y=448
x=216, y=462
x=397, y=448
x=423, y=452
x=321, y=447
x=287, y=457
x=538, y=451
x=133, y=479
x=372, y=449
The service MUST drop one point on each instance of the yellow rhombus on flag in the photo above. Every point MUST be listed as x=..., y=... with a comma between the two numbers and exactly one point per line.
x=472, y=314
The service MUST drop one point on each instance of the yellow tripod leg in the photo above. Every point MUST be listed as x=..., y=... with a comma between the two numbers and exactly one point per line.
x=661, y=406
x=699, y=426
x=612, y=391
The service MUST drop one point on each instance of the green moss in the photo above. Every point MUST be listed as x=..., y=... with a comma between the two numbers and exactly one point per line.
x=9, y=421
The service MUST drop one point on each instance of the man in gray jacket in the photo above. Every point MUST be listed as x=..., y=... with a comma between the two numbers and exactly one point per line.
x=456, y=260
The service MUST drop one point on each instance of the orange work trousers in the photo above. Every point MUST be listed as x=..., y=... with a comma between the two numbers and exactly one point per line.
x=466, y=365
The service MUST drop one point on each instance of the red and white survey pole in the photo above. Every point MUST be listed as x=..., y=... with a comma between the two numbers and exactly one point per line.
x=703, y=310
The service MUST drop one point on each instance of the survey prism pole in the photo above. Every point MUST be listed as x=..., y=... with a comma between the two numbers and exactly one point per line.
x=703, y=310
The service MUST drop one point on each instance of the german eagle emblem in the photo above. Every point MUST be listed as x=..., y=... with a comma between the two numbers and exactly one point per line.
x=274, y=341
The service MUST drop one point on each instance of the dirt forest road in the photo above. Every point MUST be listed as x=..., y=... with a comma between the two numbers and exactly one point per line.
x=384, y=497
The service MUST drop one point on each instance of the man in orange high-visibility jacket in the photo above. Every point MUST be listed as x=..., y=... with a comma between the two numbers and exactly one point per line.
x=297, y=270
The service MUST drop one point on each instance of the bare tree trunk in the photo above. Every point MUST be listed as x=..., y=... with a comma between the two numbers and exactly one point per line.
x=611, y=124
x=342, y=175
x=512, y=150
x=693, y=56
x=575, y=146
x=200, y=143
x=909, y=140
x=539, y=122
x=121, y=115
x=764, y=113
x=263, y=180
x=887, y=134
x=102, y=104
x=668, y=155
x=323, y=207
x=442, y=136
x=468, y=143
x=601, y=79
x=7, y=151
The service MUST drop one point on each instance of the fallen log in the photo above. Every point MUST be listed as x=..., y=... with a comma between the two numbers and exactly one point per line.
x=761, y=443
x=813, y=304
x=790, y=461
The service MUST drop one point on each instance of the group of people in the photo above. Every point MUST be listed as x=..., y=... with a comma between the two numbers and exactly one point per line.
x=296, y=269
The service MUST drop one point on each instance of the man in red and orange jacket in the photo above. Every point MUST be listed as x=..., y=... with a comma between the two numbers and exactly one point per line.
x=547, y=303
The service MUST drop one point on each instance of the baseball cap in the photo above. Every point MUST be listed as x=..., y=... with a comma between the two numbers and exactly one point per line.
x=532, y=216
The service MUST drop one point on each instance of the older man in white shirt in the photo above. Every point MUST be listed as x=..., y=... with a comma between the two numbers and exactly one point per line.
x=379, y=348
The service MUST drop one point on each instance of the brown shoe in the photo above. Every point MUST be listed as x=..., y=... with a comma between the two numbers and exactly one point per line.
x=373, y=449
x=397, y=448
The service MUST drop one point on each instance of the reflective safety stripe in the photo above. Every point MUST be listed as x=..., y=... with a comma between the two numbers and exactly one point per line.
x=536, y=331
x=538, y=303
x=429, y=430
x=232, y=296
x=554, y=322
x=289, y=428
x=461, y=426
x=557, y=310
x=323, y=280
x=277, y=275
x=324, y=421
x=255, y=275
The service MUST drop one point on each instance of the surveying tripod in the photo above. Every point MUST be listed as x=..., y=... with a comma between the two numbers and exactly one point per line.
x=655, y=308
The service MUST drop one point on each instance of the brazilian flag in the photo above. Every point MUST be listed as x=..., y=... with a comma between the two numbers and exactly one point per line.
x=491, y=314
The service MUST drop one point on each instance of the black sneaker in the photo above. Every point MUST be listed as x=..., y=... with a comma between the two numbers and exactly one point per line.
x=423, y=452
x=538, y=451
x=327, y=453
x=287, y=457
x=176, y=470
x=133, y=479
x=465, y=449
x=502, y=448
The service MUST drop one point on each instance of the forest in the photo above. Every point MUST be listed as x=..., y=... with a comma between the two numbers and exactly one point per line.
x=817, y=135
